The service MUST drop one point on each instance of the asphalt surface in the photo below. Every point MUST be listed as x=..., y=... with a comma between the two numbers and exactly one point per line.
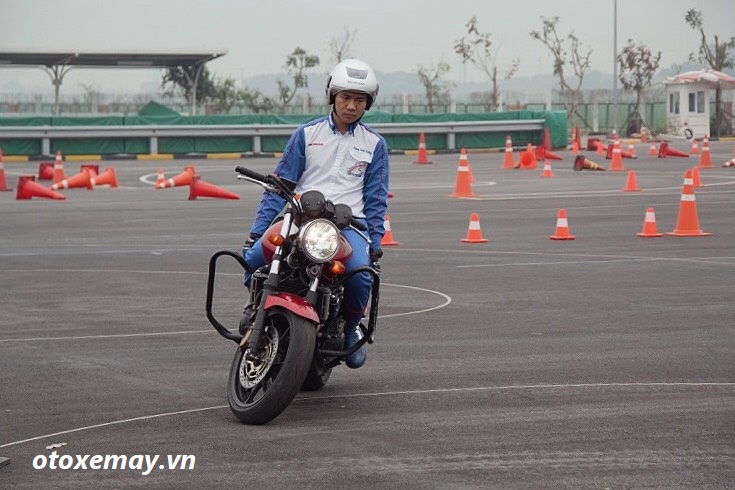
x=524, y=362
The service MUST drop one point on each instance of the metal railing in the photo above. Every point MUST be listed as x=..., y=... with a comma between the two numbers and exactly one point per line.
x=255, y=131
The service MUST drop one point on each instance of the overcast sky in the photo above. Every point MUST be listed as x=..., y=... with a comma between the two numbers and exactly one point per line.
x=391, y=35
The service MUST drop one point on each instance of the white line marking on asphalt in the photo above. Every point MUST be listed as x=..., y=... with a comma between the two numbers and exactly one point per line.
x=573, y=386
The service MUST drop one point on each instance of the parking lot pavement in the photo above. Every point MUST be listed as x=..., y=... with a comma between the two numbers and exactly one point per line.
x=519, y=362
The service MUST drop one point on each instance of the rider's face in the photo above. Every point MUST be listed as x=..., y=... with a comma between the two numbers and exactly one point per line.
x=350, y=106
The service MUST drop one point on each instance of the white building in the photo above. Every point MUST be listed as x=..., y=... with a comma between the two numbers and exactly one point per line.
x=688, y=100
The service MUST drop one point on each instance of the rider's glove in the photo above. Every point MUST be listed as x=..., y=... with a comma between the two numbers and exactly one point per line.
x=249, y=242
x=375, y=255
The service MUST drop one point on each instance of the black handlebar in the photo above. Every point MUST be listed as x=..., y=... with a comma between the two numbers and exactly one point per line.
x=250, y=173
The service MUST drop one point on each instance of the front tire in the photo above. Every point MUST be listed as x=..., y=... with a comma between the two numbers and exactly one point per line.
x=259, y=391
x=317, y=376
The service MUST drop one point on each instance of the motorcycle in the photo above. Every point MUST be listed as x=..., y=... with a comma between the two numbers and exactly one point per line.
x=291, y=334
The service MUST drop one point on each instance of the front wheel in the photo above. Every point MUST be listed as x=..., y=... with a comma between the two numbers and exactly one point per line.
x=260, y=390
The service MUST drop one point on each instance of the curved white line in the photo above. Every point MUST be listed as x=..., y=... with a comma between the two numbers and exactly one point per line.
x=651, y=384
x=447, y=300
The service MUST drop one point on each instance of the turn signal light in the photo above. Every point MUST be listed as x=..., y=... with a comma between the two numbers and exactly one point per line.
x=336, y=267
x=276, y=239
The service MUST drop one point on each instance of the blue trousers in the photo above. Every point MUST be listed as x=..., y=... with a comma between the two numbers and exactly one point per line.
x=357, y=288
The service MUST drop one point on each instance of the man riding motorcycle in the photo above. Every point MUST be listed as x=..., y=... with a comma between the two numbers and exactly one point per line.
x=348, y=162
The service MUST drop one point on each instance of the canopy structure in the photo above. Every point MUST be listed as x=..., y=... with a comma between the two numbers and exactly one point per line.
x=708, y=76
x=58, y=63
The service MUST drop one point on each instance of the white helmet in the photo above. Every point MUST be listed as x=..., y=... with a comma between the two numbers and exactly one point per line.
x=354, y=76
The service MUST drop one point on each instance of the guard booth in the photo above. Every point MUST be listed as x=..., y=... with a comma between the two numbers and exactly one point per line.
x=688, y=101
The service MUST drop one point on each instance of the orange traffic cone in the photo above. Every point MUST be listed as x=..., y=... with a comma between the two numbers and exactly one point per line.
x=82, y=179
x=474, y=234
x=664, y=150
x=631, y=185
x=108, y=177
x=705, y=160
x=3, y=181
x=29, y=188
x=463, y=185
x=562, y=227
x=577, y=137
x=160, y=179
x=644, y=135
x=616, y=164
x=731, y=163
x=46, y=171
x=58, y=168
x=600, y=148
x=581, y=163
x=695, y=148
x=696, y=180
x=528, y=159
x=422, y=156
x=652, y=149
x=387, y=240
x=687, y=222
x=508, y=161
x=649, y=226
x=184, y=178
x=575, y=147
x=547, y=170
x=630, y=153
x=199, y=188
x=615, y=134
x=463, y=156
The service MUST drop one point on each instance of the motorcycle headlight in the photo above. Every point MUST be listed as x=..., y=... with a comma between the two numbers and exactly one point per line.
x=319, y=240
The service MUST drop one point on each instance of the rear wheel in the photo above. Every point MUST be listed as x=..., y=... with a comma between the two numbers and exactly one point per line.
x=258, y=390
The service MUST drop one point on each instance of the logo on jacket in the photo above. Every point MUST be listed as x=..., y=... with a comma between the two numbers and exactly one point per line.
x=357, y=170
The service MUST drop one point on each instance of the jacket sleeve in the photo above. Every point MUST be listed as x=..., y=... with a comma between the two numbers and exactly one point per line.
x=375, y=193
x=291, y=166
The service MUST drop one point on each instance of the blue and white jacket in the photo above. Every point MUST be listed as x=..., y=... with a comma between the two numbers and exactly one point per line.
x=350, y=168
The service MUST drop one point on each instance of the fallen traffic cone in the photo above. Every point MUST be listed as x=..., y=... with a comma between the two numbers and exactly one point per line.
x=82, y=179
x=184, y=178
x=631, y=185
x=108, y=177
x=562, y=227
x=547, y=170
x=92, y=168
x=696, y=180
x=387, y=240
x=474, y=234
x=543, y=153
x=652, y=149
x=705, y=159
x=422, y=156
x=3, y=181
x=46, y=171
x=731, y=163
x=592, y=143
x=616, y=164
x=508, y=162
x=664, y=150
x=58, y=168
x=463, y=185
x=581, y=163
x=160, y=179
x=695, y=148
x=649, y=226
x=29, y=188
x=687, y=222
x=199, y=188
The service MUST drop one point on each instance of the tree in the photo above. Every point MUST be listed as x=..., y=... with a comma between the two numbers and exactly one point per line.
x=194, y=82
x=429, y=78
x=637, y=68
x=475, y=47
x=580, y=63
x=339, y=47
x=296, y=65
x=718, y=55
